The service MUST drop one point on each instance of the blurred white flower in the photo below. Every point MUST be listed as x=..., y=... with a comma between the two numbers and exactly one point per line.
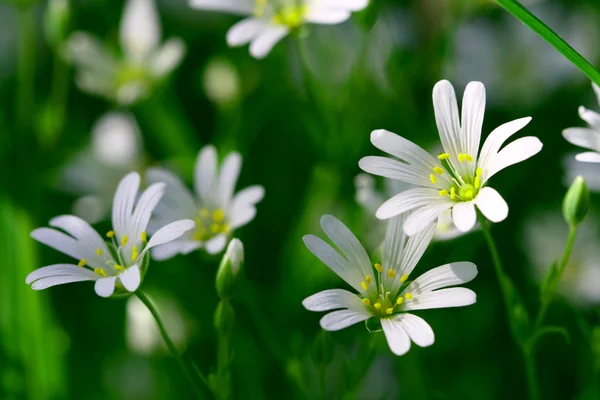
x=221, y=82
x=94, y=173
x=142, y=332
x=215, y=208
x=456, y=179
x=581, y=279
x=588, y=138
x=574, y=168
x=118, y=263
x=270, y=21
x=129, y=77
x=385, y=292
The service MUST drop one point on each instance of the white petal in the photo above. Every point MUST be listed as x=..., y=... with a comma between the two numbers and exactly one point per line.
x=422, y=217
x=59, y=241
x=143, y=211
x=45, y=283
x=263, y=43
x=496, y=139
x=86, y=51
x=167, y=57
x=464, y=216
x=322, y=15
x=177, y=202
x=447, y=275
x=443, y=298
x=243, y=201
x=413, y=251
x=131, y=278
x=446, y=116
x=491, y=204
x=168, y=233
x=140, y=29
x=393, y=169
x=216, y=244
x=230, y=171
x=241, y=7
x=333, y=259
x=583, y=137
x=205, y=175
x=417, y=329
x=245, y=31
x=396, y=336
x=409, y=200
x=515, y=152
x=588, y=156
x=332, y=299
x=123, y=203
x=403, y=149
x=168, y=250
x=88, y=240
x=60, y=270
x=241, y=217
x=105, y=287
x=473, y=109
x=337, y=320
x=349, y=245
x=591, y=117
x=352, y=5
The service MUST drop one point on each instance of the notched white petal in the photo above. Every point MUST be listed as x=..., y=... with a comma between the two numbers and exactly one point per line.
x=105, y=287
x=131, y=278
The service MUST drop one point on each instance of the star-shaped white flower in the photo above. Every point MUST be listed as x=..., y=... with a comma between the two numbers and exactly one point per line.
x=119, y=263
x=215, y=208
x=128, y=78
x=457, y=178
x=384, y=289
x=587, y=137
x=272, y=20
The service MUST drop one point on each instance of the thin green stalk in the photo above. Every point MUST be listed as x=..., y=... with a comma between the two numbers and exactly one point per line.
x=554, y=284
x=223, y=359
x=59, y=95
x=525, y=16
x=531, y=372
x=323, y=382
x=144, y=299
x=25, y=68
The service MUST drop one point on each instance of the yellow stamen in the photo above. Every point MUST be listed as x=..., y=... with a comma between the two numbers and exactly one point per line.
x=378, y=267
x=452, y=193
x=99, y=251
x=124, y=240
x=368, y=279
x=444, y=156
x=389, y=311
x=461, y=157
x=478, y=172
x=443, y=193
x=404, y=278
x=215, y=228
x=82, y=263
x=218, y=215
x=432, y=178
x=100, y=271
x=377, y=305
x=391, y=273
x=477, y=182
x=400, y=300
x=110, y=234
x=134, y=253
x=438, y=170
x=226, y=228
x=364, y=285
x=408, y=296
x=204, y=213
x=366, y=302
x=119, y=268
x=468, y=157
x=144, y=236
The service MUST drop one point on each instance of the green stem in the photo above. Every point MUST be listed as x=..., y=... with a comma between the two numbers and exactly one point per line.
x=323, y=382
x=59, y=95
x=25, y=68
x=525, y=16
x=554, y=284
x=531, y=372
x=223, y=358
x=144, y=299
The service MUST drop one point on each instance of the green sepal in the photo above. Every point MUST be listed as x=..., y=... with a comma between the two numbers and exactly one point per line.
x=373, y=324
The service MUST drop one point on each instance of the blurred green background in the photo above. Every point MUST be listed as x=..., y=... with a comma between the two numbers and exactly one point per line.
x=301, y=118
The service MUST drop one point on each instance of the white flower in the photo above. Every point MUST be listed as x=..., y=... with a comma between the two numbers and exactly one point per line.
x=119, y=263
x=95, y=172
x=371, y=199
x=270, y=21
x=384, y=290
x=144, y=61
x=215, y=208
x=587, y=137
x=455, y=179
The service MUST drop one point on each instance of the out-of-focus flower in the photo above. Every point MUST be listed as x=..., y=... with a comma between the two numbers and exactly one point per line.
x=385, y=292
x=115, y=149
x=216, y=209
x=580, y=282
x=118, y=263
x=142, y=332
x=455, y=179
x=221, y=82
x=371, y=199
x=574, y=168
x=587, y=137
x=270, y=21
x=144, y=62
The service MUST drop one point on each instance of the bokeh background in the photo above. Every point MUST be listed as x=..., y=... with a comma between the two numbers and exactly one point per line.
x=301, y=118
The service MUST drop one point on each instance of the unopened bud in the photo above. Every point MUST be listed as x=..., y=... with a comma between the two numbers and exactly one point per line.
x=224, y=318
x=322, y=349
x=229, y=269
x=576, y=203
x=56, y=21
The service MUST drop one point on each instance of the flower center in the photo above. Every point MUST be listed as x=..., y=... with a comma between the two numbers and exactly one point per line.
x=210, y=223
x=129, y=72
x=458, y=187
x=382, y=299
x=290, y=14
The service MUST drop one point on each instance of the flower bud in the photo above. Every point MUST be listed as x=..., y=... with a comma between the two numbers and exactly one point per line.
x=229, y=269
x=576, y=202
x=322, y=349
x=224, y=318
x=56, y=21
